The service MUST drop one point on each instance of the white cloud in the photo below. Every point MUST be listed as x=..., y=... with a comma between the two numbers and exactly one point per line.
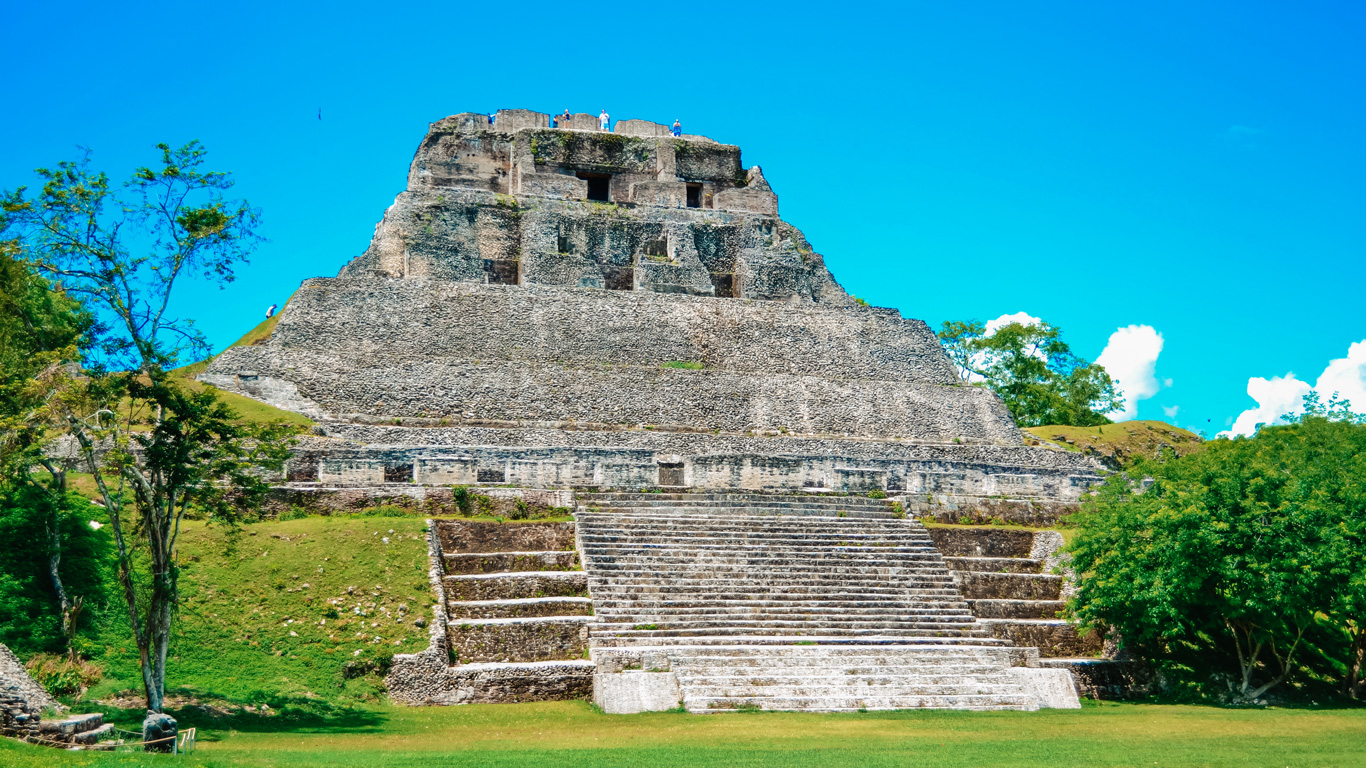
x=1279, y=395
x=1023, y=318
x=1170, y=411
x=1130, y=357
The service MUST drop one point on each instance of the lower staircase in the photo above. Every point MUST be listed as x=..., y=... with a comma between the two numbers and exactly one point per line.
x=518, y=611
x=789, y=602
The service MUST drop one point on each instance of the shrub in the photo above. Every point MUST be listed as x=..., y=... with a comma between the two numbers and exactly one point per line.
x=62, y=677
x=464, y=500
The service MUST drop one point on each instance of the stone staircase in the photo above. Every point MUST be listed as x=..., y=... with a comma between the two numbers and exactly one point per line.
x=1000, y=572
x=745, y=600
x=518, y=611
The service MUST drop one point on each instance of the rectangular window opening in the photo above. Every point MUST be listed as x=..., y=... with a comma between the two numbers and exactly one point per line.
x=599, y=185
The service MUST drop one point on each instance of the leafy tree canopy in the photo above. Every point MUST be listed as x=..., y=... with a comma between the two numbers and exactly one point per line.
x=1037, y=376
x=1242, y=561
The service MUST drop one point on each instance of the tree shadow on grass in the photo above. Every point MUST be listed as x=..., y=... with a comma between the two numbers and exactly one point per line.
x=214, y=714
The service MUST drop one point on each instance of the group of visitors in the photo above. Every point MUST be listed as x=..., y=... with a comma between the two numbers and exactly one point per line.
x=605, y=123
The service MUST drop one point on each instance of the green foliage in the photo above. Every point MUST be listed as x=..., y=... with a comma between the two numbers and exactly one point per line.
x=274, y=611
x=1033, y=371
x=687, y=365
x=1240, y=563
x=30, y=609
x=464, y=500
x=62, y=676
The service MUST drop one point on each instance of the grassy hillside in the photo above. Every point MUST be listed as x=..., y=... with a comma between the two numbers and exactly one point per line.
x=275, y=612
x=1119, y=444
x=250, y=410
x=572, y=734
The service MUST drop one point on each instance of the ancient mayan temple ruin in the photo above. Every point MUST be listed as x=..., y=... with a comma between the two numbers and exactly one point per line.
x=594, y=314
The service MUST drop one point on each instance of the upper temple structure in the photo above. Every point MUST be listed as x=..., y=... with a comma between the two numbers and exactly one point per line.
x=564, y=306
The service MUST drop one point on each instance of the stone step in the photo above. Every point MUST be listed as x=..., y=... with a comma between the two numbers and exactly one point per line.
x=519, y=608
x=940, y=624
x=753, y=631
x=105, y=732
x=764, y=556
x=729, y=498
x=703, y=520
x=729, y=590
x=776, y=512
x=837, y=651
x=523, y=584
x=853, y=603
x=752, y=641
x=503, y=562
x=548, y=638
x=1009, y=586
x=817, y=569
x=685, y=613
x=846, y=581
x=1016, y=609
x=998, y=684
x=498, y=682
x=994, y=564
x=826, y=674
x=65, y=728
x=1055, y=638
x=980, y=702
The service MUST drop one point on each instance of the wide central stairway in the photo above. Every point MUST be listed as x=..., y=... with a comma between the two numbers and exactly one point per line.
x=786, y=602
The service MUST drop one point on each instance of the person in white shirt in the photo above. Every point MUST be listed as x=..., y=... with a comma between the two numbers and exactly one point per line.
x=603, y=121
x=270, y=312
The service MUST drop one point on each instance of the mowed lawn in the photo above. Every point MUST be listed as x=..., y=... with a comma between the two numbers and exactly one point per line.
x=573, y=734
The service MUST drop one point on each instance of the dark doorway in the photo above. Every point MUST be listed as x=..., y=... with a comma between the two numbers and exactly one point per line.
x=671, y=474
x=599, y=186
x=694, y=195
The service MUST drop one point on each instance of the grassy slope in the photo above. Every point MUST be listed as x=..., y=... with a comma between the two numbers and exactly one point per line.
x=249, y=409
x=240, y=589
x=1122, y=441
x=573, y=734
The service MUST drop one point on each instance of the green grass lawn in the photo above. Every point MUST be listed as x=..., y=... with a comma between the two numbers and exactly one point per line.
x=1122, y=441
x=277, y=611
x=573, y=734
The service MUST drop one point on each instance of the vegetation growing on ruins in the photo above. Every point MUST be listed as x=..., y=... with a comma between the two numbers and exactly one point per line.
x=572, y=734
x=1120, y=444
x=1238, y=570
x=1037, y=376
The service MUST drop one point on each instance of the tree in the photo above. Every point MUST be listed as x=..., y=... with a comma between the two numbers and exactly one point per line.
x=1246, y=554
x=42, y=333
x=1037, y=376
x=155, y=449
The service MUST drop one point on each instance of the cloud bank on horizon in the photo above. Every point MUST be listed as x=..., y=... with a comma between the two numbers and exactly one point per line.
x=1130, y=357
x=1281, y=395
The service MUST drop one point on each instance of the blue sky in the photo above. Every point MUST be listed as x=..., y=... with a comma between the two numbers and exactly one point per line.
x=1191, y=167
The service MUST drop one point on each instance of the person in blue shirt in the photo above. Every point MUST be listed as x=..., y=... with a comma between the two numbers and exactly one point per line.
x=677, y=130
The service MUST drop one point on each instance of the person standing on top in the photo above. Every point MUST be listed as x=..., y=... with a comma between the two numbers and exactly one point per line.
x=677, y=130
x=604, y=121
x=271, y=311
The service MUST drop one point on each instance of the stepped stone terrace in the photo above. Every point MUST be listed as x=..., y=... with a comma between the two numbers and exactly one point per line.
x=560, y=306
x=575, y=317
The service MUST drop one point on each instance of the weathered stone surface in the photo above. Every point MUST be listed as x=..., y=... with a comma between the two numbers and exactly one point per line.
x=159, y=732
x=1051, y=688
x=512, y=586
x=13, y=674
x=531, y=639
x=1105, y=679
x=626, y=693
x=1054, y=638
x=982, y=542
x=502, y=562
x=535, y=333
x=468, y=536
x=1008, y=586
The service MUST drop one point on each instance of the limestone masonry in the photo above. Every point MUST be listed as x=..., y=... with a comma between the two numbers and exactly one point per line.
x=562, y=307
x=620, y=324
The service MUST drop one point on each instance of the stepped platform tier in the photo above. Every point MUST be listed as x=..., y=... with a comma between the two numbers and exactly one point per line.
x=549, y=306
x=819, y=603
